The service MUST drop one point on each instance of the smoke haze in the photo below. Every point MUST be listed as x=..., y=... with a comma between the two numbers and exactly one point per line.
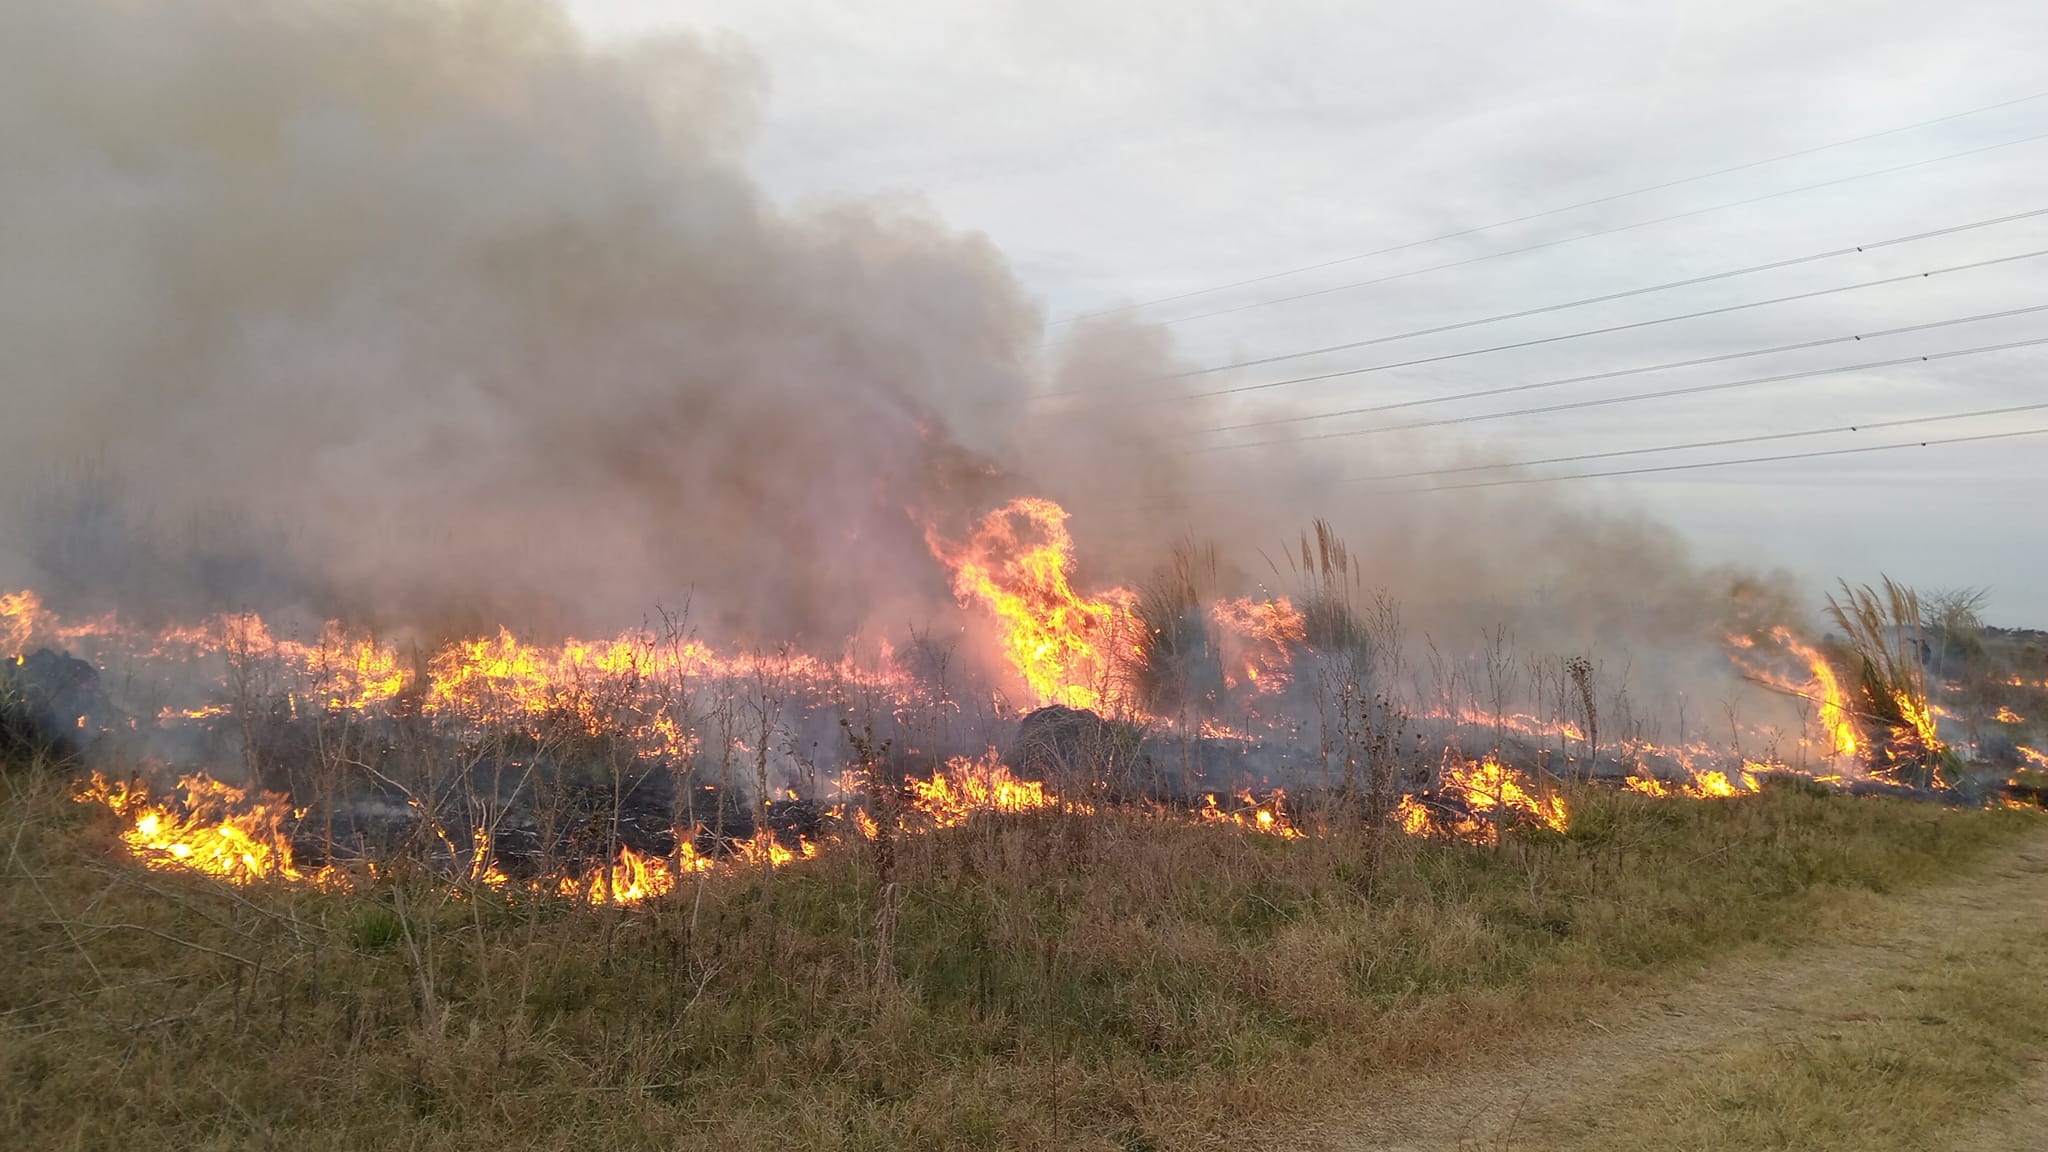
x=433, y=314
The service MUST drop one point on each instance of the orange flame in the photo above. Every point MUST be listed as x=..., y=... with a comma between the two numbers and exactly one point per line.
x=1259, y=637
x=1493, y=793
x=210, y=827
x=1835, y=716
x=1268, y=816
x=967, y=787
x=1018, y=564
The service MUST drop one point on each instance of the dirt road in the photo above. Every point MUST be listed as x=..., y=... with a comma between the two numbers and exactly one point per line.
x=1923, y=1025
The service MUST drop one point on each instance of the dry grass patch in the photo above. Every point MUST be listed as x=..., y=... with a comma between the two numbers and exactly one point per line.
x=1047, y=981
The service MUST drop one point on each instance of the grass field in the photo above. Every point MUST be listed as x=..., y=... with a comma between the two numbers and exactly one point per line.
x=1035, y=981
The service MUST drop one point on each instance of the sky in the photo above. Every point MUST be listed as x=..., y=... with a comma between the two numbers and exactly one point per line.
x=1124, y=153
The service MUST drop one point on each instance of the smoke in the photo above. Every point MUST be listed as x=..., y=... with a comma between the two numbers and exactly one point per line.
x=433, y=314
x=419, y=309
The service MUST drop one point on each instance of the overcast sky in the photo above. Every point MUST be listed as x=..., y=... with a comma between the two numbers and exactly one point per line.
x=1123, y=152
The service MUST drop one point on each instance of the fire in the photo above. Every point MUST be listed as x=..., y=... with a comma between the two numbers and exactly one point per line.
x=630, y=879
x=2008, y=716
x=1492, y=793
x=617, y=685
x=1836, y=718
x=1648, y=786
x=1706, y=784
x=1018, y=564
x=210, y=827
x=1492, y=787
x=967, y=787
x=1920, y=718
x=1258, y=637
x=1715, y=783
x=1267, y=816
x=21, y=619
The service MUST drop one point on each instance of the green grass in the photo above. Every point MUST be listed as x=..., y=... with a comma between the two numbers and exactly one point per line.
x=1050, y=981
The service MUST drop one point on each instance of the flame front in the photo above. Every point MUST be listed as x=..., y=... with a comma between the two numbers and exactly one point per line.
x=211, y=827
x=1836, y=718
x=1019, y=564
x=967, y=787
x=1258, y=638
x=1490, y=794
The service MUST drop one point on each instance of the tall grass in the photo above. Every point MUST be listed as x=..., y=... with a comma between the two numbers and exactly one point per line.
x=1884, y=631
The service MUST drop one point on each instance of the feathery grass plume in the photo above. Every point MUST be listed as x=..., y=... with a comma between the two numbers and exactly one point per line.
x=1175, y=665
x=1329, y=594
x=1884, y=631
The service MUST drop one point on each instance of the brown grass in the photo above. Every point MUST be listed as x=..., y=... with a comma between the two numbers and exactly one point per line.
x=1047, y=981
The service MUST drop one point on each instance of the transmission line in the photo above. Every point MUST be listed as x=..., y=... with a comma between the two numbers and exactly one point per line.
x=1618, y=373
x=1690, y=281
x=1729, y=442
x=1549, y=211
x=1393, y=276
x=1815, y=455
x=1440, y=358
x=1580, y=303
x=1604, y=401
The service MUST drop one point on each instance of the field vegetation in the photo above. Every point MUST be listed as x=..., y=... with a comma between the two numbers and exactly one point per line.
x=1036, y=980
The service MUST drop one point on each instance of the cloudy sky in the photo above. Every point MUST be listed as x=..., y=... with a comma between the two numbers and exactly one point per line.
x=1127, y=152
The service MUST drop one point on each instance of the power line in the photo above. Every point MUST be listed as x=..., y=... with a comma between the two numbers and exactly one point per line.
x=1687, y=282
x=1618, y=373
x=1631, y=326
x=1729, y=442
x=1551, y=211
x=1604, y=401
x=1393, y=276
x=1732, y=463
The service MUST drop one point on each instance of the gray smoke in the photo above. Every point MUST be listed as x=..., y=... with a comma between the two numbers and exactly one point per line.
x=429, y=313
x=414, y=309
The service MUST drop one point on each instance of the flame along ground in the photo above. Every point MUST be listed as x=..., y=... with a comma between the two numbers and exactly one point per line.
x=241, y=837
x=233, y=835
x=1063, y=646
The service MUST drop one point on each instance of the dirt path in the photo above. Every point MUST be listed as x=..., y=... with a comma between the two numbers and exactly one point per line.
x=1623, y=1079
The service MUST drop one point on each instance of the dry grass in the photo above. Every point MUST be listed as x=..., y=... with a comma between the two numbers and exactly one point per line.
x=1037, y=982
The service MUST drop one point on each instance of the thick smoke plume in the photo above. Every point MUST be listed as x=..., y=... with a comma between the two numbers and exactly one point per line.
x=413, y=309
x=432, y=314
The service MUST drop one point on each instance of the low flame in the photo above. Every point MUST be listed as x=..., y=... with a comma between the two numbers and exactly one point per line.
x=210, y=827
x=968, y=787
x=1491, y=794
x=1268, y=816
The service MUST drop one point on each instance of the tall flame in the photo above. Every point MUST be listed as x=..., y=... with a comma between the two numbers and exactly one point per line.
x=1018, y=564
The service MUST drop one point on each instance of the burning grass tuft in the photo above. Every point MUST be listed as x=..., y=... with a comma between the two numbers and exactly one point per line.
x=1885, y=633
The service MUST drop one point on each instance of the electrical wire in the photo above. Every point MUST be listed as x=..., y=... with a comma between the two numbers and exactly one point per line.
x=1393, y=276
x=1687, y=282
x=1609, y=297
x=1728, y=442
x=1815, y=455
x=1393, y=405
x=1809, y=151
x=1634, y=397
